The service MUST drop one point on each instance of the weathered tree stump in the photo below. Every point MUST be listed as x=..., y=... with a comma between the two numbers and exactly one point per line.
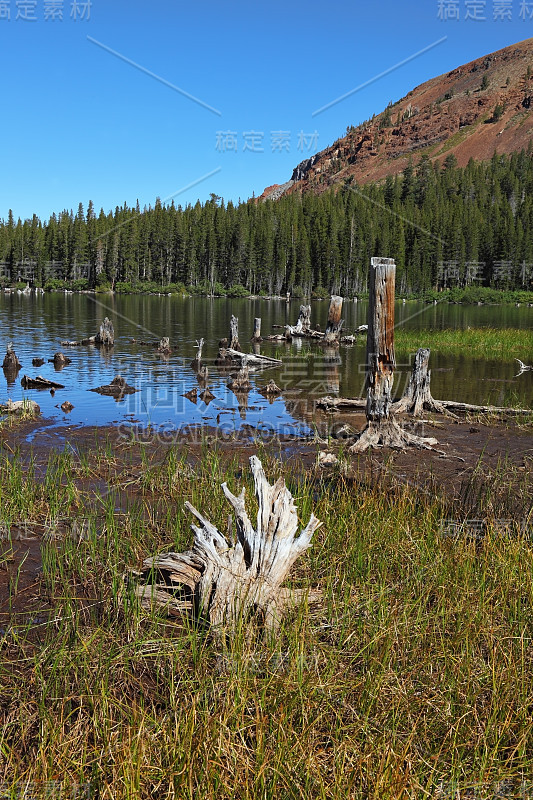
x=60, y=360
x=271, y=389
x=257, y=330
x=106, y=335
x=334, y=325
x=382, y=430
x=118, y=388
x=11, y=362
x=37, y=362
x=303, y=326
x=234, y=334
x=417, y=396
x=164, y=346
x=196, y=363
x=241, y=381
x=228, y=583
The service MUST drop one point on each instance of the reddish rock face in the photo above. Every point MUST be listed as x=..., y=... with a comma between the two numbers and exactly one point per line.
x=471, y=112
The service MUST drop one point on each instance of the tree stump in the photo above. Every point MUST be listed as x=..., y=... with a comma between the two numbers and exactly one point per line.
x=11, y=362
x=60, y=360
x=106, y=335
x=382, y=430
x=417, y=396
x=226, y=583
x=334, y=324
x=257, y=330
x=303, y=325
x=241, y=381
x=234, y=334
x=196, y=363
x=164, y=346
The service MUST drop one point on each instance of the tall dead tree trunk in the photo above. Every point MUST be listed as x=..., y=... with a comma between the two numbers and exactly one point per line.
x=382, y=430
x=234, y=334
x=334, y=324
x=228, y=583
x=417, y=396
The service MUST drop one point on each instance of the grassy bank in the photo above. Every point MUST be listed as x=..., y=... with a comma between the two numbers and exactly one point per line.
x=414, y=672
x=487, y=343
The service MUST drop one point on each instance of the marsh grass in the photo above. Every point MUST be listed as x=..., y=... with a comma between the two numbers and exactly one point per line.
x=488, y=343
x=416, y=669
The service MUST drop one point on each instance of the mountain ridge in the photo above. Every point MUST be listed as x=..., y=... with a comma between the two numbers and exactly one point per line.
x=473, y=111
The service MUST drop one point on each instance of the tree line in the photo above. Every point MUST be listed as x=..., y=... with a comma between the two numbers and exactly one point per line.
x=435, y=219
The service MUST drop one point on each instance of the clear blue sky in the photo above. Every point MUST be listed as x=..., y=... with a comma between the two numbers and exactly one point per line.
x=82, y=123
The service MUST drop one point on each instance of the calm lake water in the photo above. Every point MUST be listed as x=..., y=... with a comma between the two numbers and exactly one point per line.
x=36, y=324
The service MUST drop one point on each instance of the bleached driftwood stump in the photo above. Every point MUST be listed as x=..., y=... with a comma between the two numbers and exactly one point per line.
x=382, y=429
x=227, y=583
x=417, y=395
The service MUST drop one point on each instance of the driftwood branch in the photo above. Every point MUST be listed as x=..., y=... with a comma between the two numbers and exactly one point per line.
x=359, y=404
x=223, y=582
x=104, y=338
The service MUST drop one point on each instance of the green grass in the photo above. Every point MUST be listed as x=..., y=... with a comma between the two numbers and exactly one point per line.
x=415, y=670
x=488, y=343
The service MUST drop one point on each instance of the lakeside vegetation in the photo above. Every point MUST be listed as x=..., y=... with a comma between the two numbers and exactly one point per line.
x=487, y=343
x=480, y=215
x=413, y=676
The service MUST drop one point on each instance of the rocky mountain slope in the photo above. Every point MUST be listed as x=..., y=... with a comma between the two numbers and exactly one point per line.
x=471, y=112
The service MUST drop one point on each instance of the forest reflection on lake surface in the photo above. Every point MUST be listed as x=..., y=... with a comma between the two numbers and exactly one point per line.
x=36, y=324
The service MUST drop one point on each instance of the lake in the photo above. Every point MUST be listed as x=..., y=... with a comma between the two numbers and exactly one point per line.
x=36, y=324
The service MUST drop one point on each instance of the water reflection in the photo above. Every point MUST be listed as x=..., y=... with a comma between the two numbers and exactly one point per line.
x=166, y=382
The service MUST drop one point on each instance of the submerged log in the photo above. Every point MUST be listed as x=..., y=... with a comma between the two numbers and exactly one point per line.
x=37, y=362
x=382, y=430
x=251, y=358
x=39, y=383
x=118, y=388
x=417, y=396
x=11, y=362
x=227, y=583
x=334, y=325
